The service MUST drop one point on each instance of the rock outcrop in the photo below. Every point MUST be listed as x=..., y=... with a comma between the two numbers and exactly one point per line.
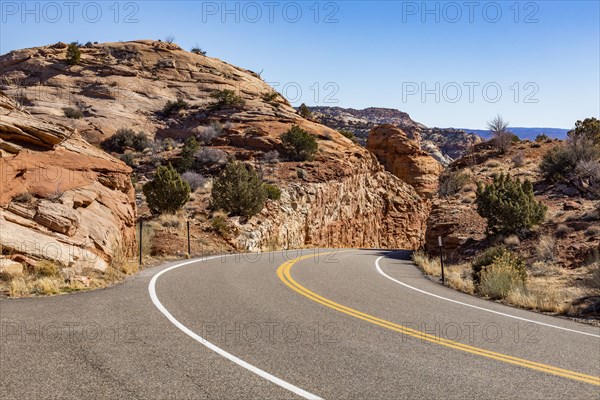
x=403, y=158
x=370, y=209
x=61, y=198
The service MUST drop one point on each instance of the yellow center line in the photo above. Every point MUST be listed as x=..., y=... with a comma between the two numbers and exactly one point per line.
x=283, y=272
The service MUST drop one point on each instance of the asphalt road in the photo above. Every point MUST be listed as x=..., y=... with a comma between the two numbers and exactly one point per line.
x=354, y=324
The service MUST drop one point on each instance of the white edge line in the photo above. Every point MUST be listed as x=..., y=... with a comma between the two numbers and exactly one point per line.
x=476, y=307
x=216, y=349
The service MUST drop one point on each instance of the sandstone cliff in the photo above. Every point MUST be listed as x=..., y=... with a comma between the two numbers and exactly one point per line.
x=403, y=158
x=60, y=198
x=342, y=198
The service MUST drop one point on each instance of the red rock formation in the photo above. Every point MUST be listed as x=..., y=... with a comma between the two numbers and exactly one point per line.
x=61, y=198
x=403, y=158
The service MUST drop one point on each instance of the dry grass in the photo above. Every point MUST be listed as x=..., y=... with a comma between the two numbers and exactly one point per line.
x=459, y=278
x=428, y=265
x=540, y=299
x=512, y=241
x=147, y=236
x=122, y=263
x=47, y=285
x=47, y=278
x=219, y=224
x=18, y=287
x=546, y=248
x=171, y=220
x=562, y=230
x=498, y=282
x=46, y=268
x=544, y=269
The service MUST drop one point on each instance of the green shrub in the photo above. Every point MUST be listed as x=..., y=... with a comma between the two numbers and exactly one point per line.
x=348, y=135
x=450, y=182
x=304, y=111
x=167, y=192
x=560, y=162
x=73, y=54
x=188, y=152
x=226, y=98
x=509, y=205
x=542, y=137
x=238, y=190
x=198, y=50
x=298, y=144
x=557, y=163
x=588, y=128
x=175, y=106
x=126, y=138
x=73, y=113
x=269, y=97
x=506, y=273
x=24, y=198
x=128, y=158
x=273, y=192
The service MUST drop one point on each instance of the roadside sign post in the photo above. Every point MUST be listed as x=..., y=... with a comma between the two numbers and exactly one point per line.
x=141, y=241
x=442, y=258
x=188, y=238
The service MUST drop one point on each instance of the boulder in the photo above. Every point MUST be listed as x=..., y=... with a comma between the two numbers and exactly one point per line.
x=403, y=158
x=10, y=267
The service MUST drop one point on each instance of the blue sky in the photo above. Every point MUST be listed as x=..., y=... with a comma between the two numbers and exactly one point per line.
x=457, y=64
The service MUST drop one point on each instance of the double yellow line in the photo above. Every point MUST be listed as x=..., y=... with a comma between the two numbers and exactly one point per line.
x=283, y=272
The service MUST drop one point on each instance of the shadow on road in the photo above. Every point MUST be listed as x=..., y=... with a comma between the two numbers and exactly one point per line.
x=401, y=255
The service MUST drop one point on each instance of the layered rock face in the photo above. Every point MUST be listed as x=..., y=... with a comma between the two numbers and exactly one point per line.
x=403, y=158
x=344, y=198
x=61, y=198
x=369, y=209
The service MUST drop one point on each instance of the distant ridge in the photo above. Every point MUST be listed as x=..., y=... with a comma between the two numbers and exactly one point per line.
x=525, y=133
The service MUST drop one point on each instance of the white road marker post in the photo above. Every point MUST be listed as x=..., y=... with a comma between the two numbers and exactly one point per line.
x=442, y=258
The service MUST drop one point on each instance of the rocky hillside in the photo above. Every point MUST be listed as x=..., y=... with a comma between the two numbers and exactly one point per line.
x=562, y=253
x=445, y=145
x=343, y=197
x=61, y=199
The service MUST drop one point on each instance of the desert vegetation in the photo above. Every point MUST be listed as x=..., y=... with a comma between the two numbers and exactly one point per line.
x=167, y=192
x=238, y=191
x=126, y=138
x=226, y=98
x=509, y=205
x=299, y=145
x=521, y=222
x=73, y=56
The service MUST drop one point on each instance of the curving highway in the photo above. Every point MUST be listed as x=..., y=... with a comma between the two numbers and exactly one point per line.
x=347, y=324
